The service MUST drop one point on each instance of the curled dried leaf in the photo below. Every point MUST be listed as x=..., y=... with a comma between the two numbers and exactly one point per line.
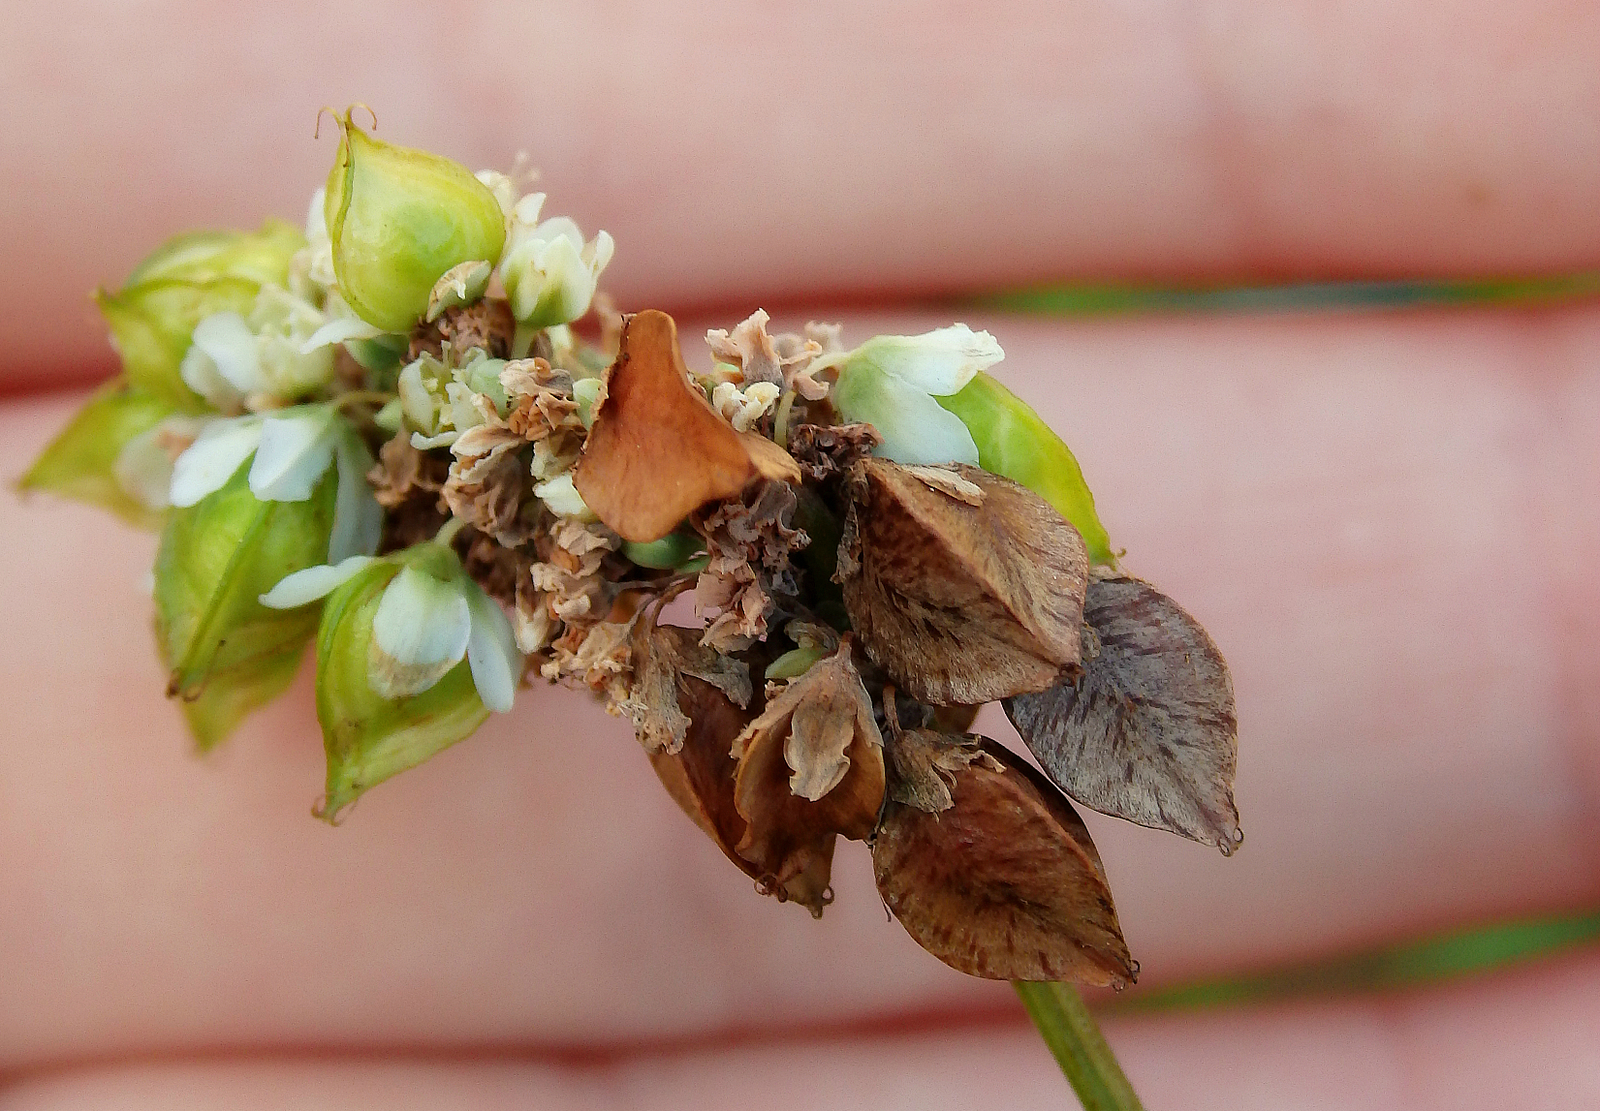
x=1005, y=882
x=961, y=603
x=810, y=766
x=657, y=450
x=1148, y=731
x=700, y=778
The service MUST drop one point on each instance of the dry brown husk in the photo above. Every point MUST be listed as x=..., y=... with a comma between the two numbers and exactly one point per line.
x=700, y=777
x=1147, y=732
x=959, y=602
x=1004, y=883
x=810, y=766
x=657, y=450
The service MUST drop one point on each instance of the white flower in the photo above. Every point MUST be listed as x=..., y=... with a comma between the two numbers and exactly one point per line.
x=890, y=382
x=423, y=626
x=441, y=401
x=280, y=353
x=548, y=271
x=293, y=450
x=563, y=498
x=743, y=407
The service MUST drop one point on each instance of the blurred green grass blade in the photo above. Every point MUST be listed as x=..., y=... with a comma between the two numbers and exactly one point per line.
x=1431, y=960
x=1098, y=299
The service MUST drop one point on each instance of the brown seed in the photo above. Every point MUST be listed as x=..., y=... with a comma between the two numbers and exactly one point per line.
x=1005, y=883
x=657, y=449
x=700, y=778
x=1148, y=731
x=960, y=602
x=809, y=767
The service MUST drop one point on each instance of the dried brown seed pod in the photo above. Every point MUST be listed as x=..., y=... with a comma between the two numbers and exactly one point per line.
x=810, y=766
x=1147, y=732
x=960, y=602
x=700, y=778
x=1005, y=882
x=657, y=449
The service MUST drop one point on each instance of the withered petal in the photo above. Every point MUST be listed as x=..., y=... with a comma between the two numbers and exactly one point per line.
x=924, y=763
x=1005, y=883
x=657, y=449
x=700, y=778
x=961, y=603
x=1148, y=731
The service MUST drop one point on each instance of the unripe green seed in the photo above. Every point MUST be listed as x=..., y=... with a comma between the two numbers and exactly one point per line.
x=399, y=219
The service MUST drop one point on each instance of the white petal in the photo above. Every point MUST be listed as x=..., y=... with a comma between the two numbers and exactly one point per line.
x=144, y=469
x=295, y=453
x=213, y=458
x=915, y=428
x=562, y=497
x=231, y=345
x=201, y=375
x=492, y=652
x=312, y=583
x=939, y=362
x=419, y=633
x=357, y=516
x=338, y=330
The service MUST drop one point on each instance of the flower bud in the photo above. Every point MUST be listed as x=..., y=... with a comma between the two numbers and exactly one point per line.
x=153, y=317
x=228, y=653
x=81, y=462
x=399, y=219
x=1013, y=441
x=549, y=272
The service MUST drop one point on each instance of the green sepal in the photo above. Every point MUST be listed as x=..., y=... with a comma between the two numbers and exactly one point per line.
x=79, y=462
x=226, y=650
x=369, y=738
x=152, y=324
x=398, y=220
x=1013, y=441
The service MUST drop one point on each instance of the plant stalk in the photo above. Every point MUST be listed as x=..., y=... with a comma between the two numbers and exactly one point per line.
x=1067, y=1027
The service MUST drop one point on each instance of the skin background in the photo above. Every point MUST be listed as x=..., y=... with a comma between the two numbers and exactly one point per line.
x=1388, y=522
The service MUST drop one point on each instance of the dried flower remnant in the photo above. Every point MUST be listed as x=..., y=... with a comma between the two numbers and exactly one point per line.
x=961, y=602
x=810, y=766
x=866, y=534
x=1147, y=732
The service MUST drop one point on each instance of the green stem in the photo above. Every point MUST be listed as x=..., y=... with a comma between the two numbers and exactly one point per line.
x=1075, y=1041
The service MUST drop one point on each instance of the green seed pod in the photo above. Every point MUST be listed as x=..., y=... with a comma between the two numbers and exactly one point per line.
x=399, y=219
x=228, y=653
x=189, y=278
x=1013, y=441
x=369, y=738
x=672, y=550
x=80, y=463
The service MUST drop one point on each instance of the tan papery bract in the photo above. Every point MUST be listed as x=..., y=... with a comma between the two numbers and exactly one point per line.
x=657, y=450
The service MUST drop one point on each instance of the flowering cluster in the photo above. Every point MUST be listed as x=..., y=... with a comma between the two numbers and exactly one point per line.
x=381, y=433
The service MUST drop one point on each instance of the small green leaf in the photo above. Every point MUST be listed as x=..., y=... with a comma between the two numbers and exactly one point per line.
x=1013, y=441
x=216, y=558
x=79, y=463
x=369, y=738
x=399, y=219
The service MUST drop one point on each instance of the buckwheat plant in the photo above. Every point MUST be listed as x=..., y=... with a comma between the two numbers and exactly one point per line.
x=381, y=434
